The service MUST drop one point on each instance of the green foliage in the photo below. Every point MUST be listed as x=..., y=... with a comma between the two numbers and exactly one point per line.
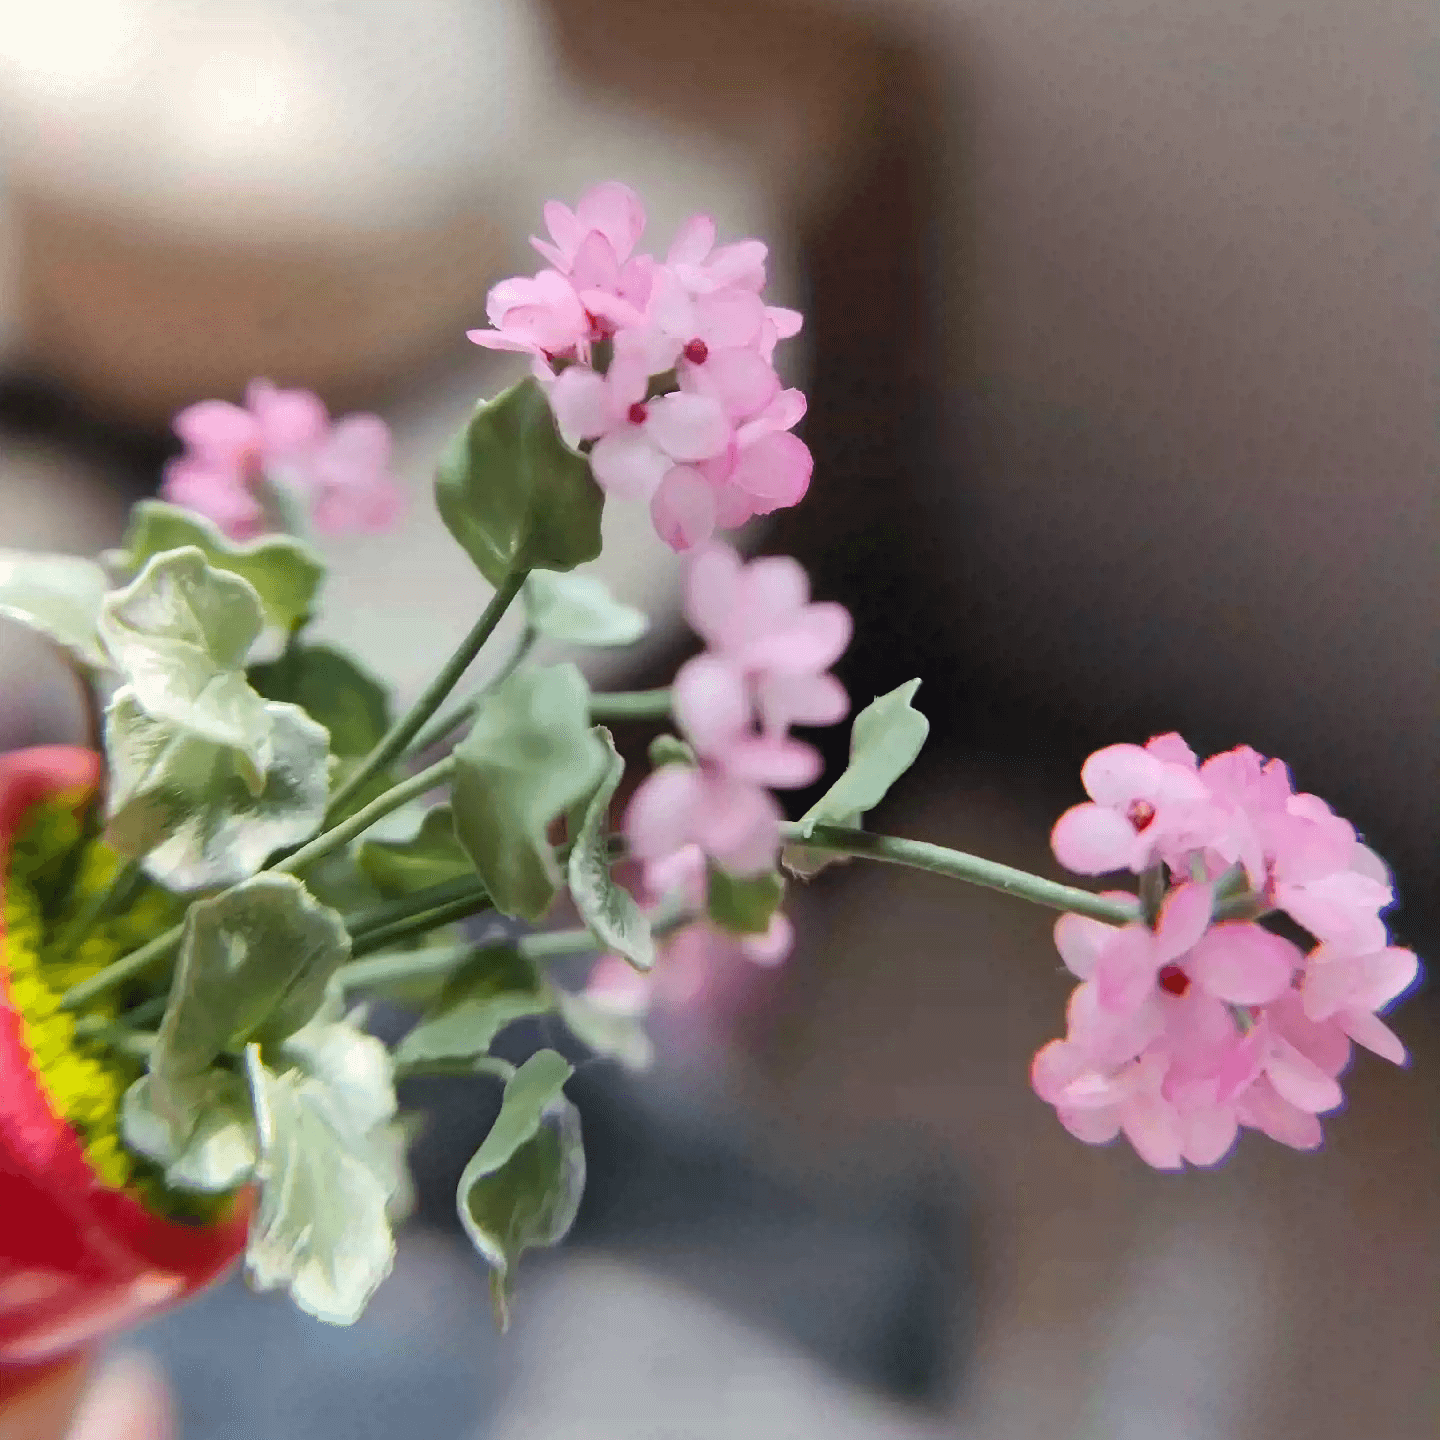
x=496, y=986
x=254, y=965
x=331, y=688
x=179, y=634
x=431, y=857
x=580, y=610
x=286, y=573
x=58, y=595
x=885, y=739
x=513, y=493
x=202, y=1136
x=615, y=1035
x=522, y=1187
x=607, y=908
x=192, y=811
x=329, y=1172
x=670, y=750
x=529, y=756
x=743, y=905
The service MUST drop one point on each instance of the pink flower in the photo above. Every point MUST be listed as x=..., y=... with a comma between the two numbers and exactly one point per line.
x=236, y=458
x=764, y=670
x=1351, y=989
x=661, y=372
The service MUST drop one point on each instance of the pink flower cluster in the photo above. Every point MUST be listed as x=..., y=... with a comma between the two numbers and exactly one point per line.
x=1183, y=1032
x=282, y=441
x=664, y=369
x=700, y=968
x=768, y=648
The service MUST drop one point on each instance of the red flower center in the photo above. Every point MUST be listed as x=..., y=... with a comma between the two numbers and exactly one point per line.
x=697, y=352
x=1173, y=980
x=1140, y=814
x=637, y=413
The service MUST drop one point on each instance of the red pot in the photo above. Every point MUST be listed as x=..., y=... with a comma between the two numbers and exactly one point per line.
x=78, y=1260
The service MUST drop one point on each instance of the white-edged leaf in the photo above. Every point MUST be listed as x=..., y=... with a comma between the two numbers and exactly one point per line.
x=179, y=634
x=580, y=610
x=255, y=963
x=884, y=741
x=493, y=988
x=207, y=1143
x=522, y=1187
x=187, y=809
x=321, y=1229
x=607, y=908
x=58, y=595
x=286, y=572
x=529, y=756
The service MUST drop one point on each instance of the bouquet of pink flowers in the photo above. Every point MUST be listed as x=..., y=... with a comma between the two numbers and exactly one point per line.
x=195, y=920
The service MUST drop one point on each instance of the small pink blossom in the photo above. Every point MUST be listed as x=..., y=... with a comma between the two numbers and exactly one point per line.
x=238, y=457
x=540, y=316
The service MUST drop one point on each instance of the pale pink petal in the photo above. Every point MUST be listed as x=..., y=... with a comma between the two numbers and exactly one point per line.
x=1094, y=1127
x=739, y=379
x=621, y=312
x=683, y=872
x=222, y=434
x=688, y=427
x=1094, y=840
x=1153, y=1128
x=292, y=422
x=784, y=412
x=552, y=253
x=693, y=241
x=1054, y=1067
x=219, y=495
x=564, y=226
x=627, y=464
x=778, y=763
x=1301, y=1081
x=683, y=509
x=729, y=319
x=1111, y=1039
x=775, y=470
x=581, y=403
x=1184, y=917
x=595, y=265
x=739, y=825
x=615, y=986
x=1080, y=941
x=712, y=703
x=1243, y=964
x=787, y=700
x=498, y=340
x=774, y=945
x=711, y=591
x=812, y=641
x=1263, y=1109
x=1171, y=748
x=742, y=263
x=615, y=211
x=1126, y=969
x=1374, y=1034
x=1119, y=774
x=1209, y=1133
x=660, y=818
x=1343, y=908
x=787, y=323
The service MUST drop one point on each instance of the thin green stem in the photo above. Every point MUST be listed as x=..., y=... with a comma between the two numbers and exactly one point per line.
x=127, y=967
x=387, y=913
x=959, y=866
x=363, y=819
x=377, y=971
x=631, y=705
x=398, y=738
x=459, y=714
x=447, y=914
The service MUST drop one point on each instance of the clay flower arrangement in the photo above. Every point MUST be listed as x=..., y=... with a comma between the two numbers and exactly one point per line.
x=195, y=920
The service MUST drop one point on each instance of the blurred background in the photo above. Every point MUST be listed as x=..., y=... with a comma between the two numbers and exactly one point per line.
x=1122, y=352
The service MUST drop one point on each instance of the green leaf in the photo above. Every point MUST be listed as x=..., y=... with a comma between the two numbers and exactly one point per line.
x=611, y=1033
x=522, y=1187
x=529, y=756
x=494, y=987
x=331, y=688
x=434, y=855
x=607, y=908
x=885, y=739
x=192, y=813
x=743, y=905
x=58, y=595
x=580, y=610
x=285, y=572
x=670, y=750
x=203, y=1136
x=254, y=965
x=179, y=634
x=321, y=1229
x=513, y=493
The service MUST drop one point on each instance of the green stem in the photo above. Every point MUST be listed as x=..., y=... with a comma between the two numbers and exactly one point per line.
x=457, y=715
x=379, y=970
x=447, y=914
x=959, y=866
x=631, y=705
x=387, y=913
x=400, y=734
x=123, y=969
x=363, y=819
